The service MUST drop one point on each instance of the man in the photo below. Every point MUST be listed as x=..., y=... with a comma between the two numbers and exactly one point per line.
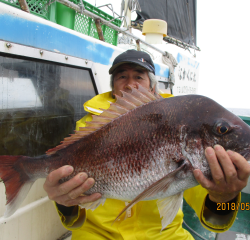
x=230, y=173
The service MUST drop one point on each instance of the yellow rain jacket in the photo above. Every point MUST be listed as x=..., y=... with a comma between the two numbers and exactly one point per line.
x=143, y=221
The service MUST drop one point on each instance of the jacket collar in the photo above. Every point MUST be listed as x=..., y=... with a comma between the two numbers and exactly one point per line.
x=99, y=101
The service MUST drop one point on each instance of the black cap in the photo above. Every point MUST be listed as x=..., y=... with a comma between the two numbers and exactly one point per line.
x=132, y=56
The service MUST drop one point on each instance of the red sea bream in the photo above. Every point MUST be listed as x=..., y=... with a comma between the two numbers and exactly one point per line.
x=141, y=148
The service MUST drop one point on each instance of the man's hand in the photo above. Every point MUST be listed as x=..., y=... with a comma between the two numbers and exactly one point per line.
x=69, y=193
x=230, y=172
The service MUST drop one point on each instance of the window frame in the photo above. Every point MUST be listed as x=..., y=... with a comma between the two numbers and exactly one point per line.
x=19, y=51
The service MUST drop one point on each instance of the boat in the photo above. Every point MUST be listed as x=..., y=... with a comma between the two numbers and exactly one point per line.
x=51, y=61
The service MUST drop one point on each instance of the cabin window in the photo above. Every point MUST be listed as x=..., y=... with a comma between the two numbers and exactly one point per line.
x=40, y=103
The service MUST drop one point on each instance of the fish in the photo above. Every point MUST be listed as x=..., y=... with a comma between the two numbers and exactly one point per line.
x=143, y=147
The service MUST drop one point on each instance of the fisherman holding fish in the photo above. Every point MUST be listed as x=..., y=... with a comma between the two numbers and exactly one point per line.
x=230, y=172
x=141, y=154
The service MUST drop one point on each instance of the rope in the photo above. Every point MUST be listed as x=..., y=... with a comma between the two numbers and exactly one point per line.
x=134, y=5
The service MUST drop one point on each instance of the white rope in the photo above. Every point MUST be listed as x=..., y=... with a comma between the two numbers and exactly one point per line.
x=134, y=5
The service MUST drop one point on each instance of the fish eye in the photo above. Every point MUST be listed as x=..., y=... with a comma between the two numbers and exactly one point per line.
x=222, y=128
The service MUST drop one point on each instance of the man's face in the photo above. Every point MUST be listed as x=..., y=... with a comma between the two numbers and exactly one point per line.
x=126, y=75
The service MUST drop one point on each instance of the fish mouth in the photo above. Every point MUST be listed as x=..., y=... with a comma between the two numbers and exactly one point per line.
x=245, y=153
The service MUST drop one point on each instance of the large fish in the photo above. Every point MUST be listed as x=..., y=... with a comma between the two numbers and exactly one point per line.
x=141, y=148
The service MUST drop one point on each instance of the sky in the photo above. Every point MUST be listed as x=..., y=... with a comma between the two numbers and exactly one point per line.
x=222, y=35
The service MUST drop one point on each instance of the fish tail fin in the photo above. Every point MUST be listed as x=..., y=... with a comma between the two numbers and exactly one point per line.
x=17, y=182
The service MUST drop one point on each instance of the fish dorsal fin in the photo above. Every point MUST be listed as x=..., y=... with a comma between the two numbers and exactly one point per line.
x=110, y=114
x=124, y=102
x=129, y=100
x=160, y=185
x=99, y=118
x=157, y=95
x=139, y=95
x=132, y=99
x=82, y=133
x=95, y=124
x=146, y=92
x=118, y=108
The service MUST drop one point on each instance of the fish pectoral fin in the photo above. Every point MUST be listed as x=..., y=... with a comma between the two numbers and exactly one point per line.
x=152, y=190
x=168, y=208
x=128, y=211
x=93, y=205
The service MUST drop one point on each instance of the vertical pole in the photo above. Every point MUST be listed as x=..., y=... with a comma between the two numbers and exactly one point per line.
x=138, y=45
x=99, y=29
x=24, y=6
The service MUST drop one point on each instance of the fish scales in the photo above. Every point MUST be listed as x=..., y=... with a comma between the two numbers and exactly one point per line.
x=148, y=152
x=112, y=152
x=123, y=151
x=121, y=147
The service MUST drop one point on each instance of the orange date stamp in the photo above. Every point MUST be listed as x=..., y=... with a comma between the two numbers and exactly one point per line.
x=233, y=206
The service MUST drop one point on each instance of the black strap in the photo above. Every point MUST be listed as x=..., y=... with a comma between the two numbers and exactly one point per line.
x=221, y=208
x=66, y=211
